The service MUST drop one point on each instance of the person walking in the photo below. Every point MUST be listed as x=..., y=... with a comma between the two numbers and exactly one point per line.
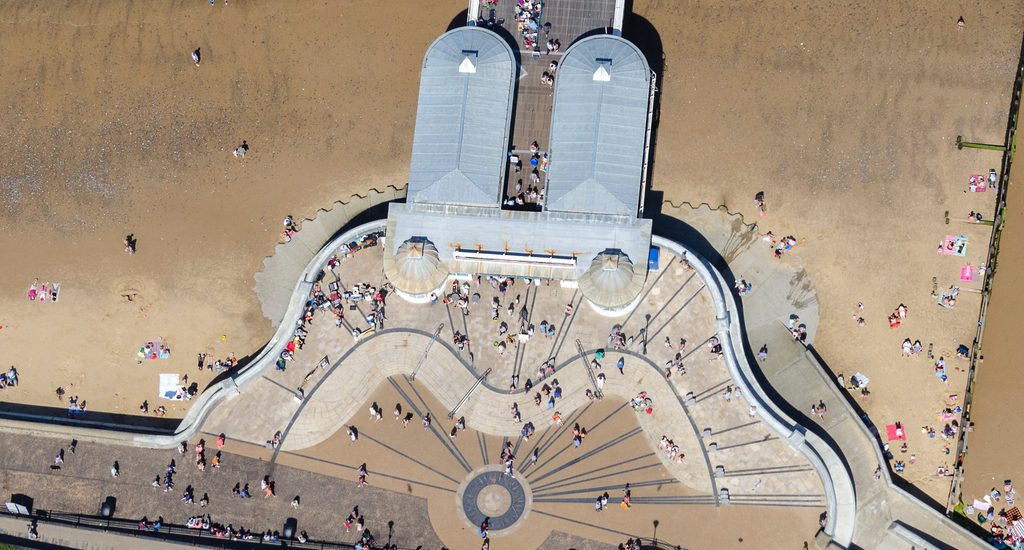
x=762, y=354
x=195, y=56
x=362, y=476
x=620, y=365
x=115, y=470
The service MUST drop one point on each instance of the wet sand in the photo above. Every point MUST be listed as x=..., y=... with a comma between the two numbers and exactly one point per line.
x=111, y=129
x=845, y=114
x=994, y=448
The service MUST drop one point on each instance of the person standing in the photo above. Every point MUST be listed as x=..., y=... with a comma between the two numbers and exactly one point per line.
x=620, y=365
x=195, y=56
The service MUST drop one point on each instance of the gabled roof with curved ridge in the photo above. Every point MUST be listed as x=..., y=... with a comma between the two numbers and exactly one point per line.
x=463, y=119
x=598, y=127
x=612, y=282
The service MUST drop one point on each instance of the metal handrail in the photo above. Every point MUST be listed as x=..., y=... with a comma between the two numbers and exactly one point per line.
x=423, y=358
x=469, y=393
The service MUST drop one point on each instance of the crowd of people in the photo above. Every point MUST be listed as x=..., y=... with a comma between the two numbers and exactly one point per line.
x=533, y=192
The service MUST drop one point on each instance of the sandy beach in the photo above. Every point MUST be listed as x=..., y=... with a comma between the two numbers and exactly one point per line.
x=111, y=129
x=845, y=114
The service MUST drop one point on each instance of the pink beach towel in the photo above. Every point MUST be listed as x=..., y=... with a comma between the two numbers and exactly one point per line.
x=895, y=434
x=978, y=183
x=948, y=244
x=967, y=273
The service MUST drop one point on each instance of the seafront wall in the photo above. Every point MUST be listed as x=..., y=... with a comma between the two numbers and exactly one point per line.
x=838, y=485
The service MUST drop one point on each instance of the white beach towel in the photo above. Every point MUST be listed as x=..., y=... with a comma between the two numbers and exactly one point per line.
x=169, y=386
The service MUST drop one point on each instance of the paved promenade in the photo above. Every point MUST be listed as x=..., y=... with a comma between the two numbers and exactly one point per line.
x=754, y=465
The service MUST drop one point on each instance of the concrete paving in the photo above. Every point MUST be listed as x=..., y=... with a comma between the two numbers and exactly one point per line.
x=757, y=467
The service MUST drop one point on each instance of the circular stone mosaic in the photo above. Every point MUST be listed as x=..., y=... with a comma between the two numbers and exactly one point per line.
x=488, y=493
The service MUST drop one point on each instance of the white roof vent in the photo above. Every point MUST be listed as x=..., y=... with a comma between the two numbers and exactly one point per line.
x=468, y=64
x=601, y=74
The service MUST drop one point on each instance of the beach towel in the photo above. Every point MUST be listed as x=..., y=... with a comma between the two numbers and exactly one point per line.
x=960, y=246
x=859, y=380
x=977, y=183
x=967, y=273
x=981, y=505
x=895, y=433
x=948, y=244
x=1017, y=530
x=169, y=386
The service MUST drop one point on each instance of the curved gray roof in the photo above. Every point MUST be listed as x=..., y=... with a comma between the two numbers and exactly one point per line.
x=598, y=127
x=612, y=282
x=463, y=119
x=415, y=268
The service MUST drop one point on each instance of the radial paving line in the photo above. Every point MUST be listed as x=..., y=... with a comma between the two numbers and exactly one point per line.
x=559, y=430
x=563, y=332
x=408, y=457
x=740, y=426
x=747, y=443
x=588, y=472
x=578, y=522
x=678, y=311
x=519, y=346
x=515, y=449
x=442, y=438
x=618, y=486
x=562, y=484
x=453, y=449
x=696, y=348
x=710, y=391
x=665, y=305
x=767, y=471
x=593, y=452
x=529, y=322
x=483, y=447
x=376, y=473
x=650, y=288
x=278, y=384
x=574, y=421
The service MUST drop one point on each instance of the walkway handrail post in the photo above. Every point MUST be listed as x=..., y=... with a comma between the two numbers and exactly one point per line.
x=590, y=372
x=412, y=377
x=469, y=393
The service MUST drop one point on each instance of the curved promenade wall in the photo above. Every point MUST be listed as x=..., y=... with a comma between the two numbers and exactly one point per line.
x=838, y=484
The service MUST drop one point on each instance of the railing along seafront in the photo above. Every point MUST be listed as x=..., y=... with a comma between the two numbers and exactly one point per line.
x=170, y=533
x=986, y=290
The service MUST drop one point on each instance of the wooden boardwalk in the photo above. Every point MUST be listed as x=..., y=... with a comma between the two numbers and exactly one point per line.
x=531, y=119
